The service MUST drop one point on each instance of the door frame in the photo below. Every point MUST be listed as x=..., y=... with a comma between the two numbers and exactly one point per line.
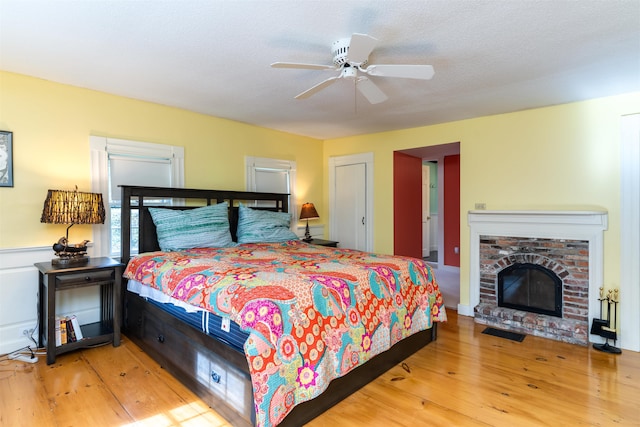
x=426, y=212
x=630, y=232
x=337, y=161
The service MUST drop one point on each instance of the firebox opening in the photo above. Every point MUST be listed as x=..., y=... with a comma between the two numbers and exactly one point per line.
x=530, y=287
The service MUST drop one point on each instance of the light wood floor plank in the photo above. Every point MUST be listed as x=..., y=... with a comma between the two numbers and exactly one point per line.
x=465, y=378
x=124, y=369
x=23, y=401
x=77, y=396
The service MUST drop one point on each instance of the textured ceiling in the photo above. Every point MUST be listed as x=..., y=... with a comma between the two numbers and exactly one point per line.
x=213, y=56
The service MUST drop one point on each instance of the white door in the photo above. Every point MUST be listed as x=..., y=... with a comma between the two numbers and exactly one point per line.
x=426, y=218
x=351, y=204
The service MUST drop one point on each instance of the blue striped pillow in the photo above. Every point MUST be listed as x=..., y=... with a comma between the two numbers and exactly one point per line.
x=258, y=226
x=205, y=227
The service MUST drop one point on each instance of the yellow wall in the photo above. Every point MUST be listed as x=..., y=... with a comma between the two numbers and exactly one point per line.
x=51, y=125
x=561, y=157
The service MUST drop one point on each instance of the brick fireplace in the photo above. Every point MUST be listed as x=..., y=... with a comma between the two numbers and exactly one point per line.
x=567, y=259
x=567, y=243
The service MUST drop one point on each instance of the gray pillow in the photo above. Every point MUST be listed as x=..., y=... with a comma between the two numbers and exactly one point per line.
x=205, y=227
x=258, y=226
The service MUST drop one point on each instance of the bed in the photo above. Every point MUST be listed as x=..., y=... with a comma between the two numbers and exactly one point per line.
x=271, y=330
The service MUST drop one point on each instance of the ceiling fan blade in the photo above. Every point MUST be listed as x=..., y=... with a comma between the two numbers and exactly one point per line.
x=424, y=72
x=302, y=66
x=370, y=91
x=360, y=48
x=317, y=88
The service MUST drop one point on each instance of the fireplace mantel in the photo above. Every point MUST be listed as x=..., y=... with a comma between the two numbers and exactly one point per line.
x=530, y=221
x=557, y=224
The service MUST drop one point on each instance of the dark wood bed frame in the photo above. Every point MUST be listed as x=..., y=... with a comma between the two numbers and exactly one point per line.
x=217, y=373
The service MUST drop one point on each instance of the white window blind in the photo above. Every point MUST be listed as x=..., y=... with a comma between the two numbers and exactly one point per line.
x=143, y=171
x=271, y=180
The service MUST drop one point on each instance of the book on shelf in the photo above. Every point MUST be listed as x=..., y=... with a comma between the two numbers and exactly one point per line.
x=76, y=327
x=63, y=331
x=58, y=333
x=67, y=330
x=71, y=333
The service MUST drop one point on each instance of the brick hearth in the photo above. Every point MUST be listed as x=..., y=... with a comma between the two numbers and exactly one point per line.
x=565, y=330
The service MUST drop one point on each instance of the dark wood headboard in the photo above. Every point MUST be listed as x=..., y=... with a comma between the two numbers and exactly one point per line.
x=135, y=198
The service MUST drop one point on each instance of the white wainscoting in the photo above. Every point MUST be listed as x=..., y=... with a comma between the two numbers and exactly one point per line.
x=19, y=301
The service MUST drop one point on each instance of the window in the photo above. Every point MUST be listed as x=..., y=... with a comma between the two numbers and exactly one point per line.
x=116, y=162
x=273, y=176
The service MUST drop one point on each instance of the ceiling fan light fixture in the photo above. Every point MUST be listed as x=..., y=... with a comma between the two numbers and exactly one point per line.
x=351, y=55
x=349, y=72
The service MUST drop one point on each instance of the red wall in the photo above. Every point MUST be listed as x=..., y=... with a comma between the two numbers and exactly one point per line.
x=451, y=210
x=407, y=205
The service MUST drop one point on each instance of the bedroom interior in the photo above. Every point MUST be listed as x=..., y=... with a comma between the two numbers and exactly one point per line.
x=547, y=174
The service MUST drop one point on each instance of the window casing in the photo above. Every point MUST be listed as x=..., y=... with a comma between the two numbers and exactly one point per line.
x=116, y=162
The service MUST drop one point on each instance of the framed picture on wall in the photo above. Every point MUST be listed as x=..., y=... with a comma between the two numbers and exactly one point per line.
x=6, y=159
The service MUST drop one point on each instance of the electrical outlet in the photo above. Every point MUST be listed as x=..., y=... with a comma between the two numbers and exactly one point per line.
x=27, y=333
x=481, y=206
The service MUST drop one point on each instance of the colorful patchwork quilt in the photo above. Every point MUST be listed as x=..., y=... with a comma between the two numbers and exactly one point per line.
x=312, y=313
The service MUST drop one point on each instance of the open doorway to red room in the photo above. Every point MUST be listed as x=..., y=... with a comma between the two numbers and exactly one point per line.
x=430, y=229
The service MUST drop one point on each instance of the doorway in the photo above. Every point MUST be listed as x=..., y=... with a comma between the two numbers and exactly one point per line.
x=430, y=215
x=444, y=237
x=351, y=201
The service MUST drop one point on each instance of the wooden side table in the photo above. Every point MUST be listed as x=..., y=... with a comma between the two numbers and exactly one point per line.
x=323, y=242
x=103, y=272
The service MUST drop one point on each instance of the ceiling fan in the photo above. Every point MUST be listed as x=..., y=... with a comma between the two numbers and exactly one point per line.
x=350, y=58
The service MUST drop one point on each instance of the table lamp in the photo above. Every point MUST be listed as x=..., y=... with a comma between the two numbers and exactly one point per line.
x=72, y=207
x=308, y=212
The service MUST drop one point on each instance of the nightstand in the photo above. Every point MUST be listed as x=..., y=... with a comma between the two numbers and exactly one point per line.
x=322, y=242
x=103, y=272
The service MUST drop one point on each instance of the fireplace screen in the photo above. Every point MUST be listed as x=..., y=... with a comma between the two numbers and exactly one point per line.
x=530, y=287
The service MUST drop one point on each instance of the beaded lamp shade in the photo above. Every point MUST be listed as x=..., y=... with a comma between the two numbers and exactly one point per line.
x=73, y=207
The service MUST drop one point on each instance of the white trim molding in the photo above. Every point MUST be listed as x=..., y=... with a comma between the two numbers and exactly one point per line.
x=254, y=164
x=573, y=225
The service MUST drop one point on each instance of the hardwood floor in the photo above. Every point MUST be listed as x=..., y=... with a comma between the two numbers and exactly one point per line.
x=465, y=378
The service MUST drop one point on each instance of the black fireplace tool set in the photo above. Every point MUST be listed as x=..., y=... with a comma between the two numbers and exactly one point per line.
x=606, y=328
